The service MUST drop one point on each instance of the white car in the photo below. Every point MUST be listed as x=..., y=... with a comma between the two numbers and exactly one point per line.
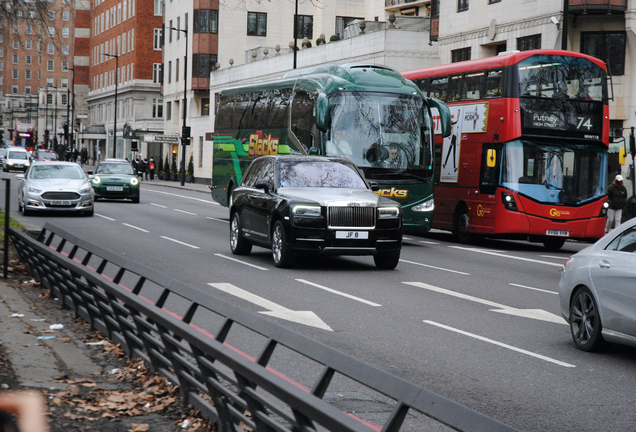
x=598, y=291
x=55, y=186
x=17, y=158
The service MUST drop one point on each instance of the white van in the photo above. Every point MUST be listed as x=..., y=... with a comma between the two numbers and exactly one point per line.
x=17, y=158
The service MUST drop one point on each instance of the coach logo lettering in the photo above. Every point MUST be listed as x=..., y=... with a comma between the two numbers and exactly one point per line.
x=260, y=146
x=393, y=193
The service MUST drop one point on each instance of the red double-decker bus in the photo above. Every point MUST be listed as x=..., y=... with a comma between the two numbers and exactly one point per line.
x=24, y=135
x=526, y=158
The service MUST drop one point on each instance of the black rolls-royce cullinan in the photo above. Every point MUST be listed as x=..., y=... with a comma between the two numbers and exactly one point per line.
x=304, y=205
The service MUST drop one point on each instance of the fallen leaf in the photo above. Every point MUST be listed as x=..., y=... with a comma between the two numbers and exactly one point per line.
x=139, y=427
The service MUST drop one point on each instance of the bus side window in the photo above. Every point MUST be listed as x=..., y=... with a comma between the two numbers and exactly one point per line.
x=454, y=88
x=438, y=87
x=494, y=83
x=224, y=114
x=489, y=176
x=303, y=117
x=423, y=85
x=472, y=86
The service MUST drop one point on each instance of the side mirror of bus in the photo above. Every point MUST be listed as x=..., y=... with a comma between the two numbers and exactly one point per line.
x=444, y=115
x=322, y=112
x=491, y=158
x=314, y=151
x=621, y=156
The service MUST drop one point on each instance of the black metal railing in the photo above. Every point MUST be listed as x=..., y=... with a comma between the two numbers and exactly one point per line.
x=236, y=373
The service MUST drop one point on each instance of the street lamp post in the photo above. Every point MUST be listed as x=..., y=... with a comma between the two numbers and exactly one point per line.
x=295, y=33
x=116, y=57
x=72, y=122
x=185, y=132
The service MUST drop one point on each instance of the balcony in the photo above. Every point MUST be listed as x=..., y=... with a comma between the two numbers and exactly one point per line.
x=597, y=7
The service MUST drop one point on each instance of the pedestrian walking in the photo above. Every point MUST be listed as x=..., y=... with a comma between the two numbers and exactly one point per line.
x=146, y=170
x=151, y=169
x=141, y=168
x=617, y=197
x=84, y=155
x=135, y=164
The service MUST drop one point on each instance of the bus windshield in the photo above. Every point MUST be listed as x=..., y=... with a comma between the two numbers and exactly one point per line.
x=380, y=130
x=560, y=173
x=561, y=77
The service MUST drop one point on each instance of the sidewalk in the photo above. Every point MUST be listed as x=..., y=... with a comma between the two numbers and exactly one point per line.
x=86, y=381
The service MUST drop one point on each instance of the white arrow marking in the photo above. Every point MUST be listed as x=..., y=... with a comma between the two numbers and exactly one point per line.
x=538, y=314
x=301, y=317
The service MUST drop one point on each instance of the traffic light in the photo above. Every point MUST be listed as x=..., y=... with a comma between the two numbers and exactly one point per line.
x=632, y=145
x=46, y=138
x=65, y=132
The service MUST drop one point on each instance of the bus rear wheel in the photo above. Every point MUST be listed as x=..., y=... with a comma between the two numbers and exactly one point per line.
x=553, y=243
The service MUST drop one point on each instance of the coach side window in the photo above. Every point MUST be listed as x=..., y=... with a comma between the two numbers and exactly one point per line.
x=224, y=113
x=278, y=109
x=244, y=109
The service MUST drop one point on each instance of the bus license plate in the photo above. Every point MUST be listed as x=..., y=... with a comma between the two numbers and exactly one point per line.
x=356, y=235
x=114, y=188
x=557, y=233
x=60, y=203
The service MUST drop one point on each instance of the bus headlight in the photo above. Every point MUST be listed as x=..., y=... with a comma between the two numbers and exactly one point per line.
x=306, y=210
x=425, y=206
x=604, y=207
x=509, y=201
x=388, y=212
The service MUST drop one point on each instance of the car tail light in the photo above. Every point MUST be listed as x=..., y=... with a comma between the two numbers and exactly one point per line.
x=566, y=263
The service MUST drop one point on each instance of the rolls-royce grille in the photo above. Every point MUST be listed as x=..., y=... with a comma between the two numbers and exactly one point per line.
x=355, y=217
x=60, y=195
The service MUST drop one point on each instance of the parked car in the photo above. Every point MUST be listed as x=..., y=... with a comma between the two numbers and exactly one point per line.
x=308, y=205
x=55, y=186
x=597, y=290
x=17, y=158
x=116, y=179
x=3, y=153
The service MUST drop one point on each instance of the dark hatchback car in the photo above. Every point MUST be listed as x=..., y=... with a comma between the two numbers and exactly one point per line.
x=307, y=205
x=116, y=179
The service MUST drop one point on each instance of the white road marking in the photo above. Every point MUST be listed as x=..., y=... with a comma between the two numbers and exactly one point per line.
x=301, y=317
x=503, y=345
x=406, y=238
x=535, y=289
x=428, y=242
x=105, y=217
x=506, y=256
x=180, y=242
x=137, y=228
x=241, y=262
x=218, y=220
x=436, y=268
x=158, y=205
x=555, y=257
x=182, y=196
x=538, y=314
x=186, y=212
x=349, y=296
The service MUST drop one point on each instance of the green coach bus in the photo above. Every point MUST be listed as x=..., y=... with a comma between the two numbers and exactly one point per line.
x=368, y=114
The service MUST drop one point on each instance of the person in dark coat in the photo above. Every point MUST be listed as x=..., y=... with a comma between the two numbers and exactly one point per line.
x=617, y=198
x=141, y=168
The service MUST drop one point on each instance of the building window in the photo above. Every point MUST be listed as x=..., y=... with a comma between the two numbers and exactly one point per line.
x=462, y=5
x=16, y=29
x=16, y=44
x=157, y=108
x=50, y=48
x=50, y=82
x=169, y=72
x=176, y=70
x=342, y=23
x=607, y=46
x=64, y=82
x=203, y=64
x=14, y=90
x=156, y=73
x=15, y=73
x=65, y=66
x=16, y=59
x=205, y=106
x=158, y=7
x=461, y=54
x=65, y=15
x=157, y=40
x=49, y=99
x=52, y=15
x=28, y=44
x=65, y=49
x=27, y=59
x=27, y=74
x=64, y=98
x=201, y=148
x=256, y=24
x=52, y=31
x=529, y=42
x=304, y=26
x=50, y=65
x=206, y=21
x=65, y=32
x=29, y=29
x=168, y=110
x=27, y=89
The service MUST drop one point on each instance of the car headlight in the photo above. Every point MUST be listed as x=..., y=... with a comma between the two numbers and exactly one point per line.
x=388, y=212
x=134, y=181
x=85, y=190
x=97, y=180
x=34, y=190
x=307, y=210
x=27, y=164
x=9, y=163
x=425, y=206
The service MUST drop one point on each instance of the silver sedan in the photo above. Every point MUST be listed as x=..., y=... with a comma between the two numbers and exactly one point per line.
x=598, y=291
x=55, y=186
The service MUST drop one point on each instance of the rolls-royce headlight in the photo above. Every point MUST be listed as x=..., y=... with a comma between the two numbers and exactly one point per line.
x=388, y=212
x=97, y=180
x=306, y=210
x=134, y=181
x=425, y=206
